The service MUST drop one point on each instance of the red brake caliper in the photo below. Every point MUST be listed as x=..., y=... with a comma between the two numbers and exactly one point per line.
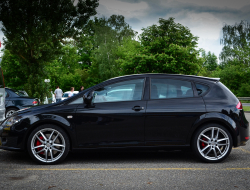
x=202, y=143
x=39, y=143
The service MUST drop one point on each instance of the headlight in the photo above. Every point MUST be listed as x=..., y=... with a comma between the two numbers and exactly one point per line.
x=12, y=120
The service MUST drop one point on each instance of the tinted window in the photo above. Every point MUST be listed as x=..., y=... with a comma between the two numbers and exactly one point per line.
x=122, y=91
x=6, y=94
x=65, y=95
x=21, y=93
x=201, y=89
x=77, y=101
x=169, y=88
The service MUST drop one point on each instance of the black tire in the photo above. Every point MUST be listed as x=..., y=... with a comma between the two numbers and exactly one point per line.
x=56, y=144
x=10, y=110
x=212, y=150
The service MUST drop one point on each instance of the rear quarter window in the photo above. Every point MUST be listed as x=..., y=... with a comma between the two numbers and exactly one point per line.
x=201, y=89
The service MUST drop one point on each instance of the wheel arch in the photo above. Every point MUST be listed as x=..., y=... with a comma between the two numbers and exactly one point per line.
x=11, y=107
x=36, y=125
x=226, y=122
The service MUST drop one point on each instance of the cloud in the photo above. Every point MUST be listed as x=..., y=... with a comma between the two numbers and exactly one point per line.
x=134, y=21
x=204, y=18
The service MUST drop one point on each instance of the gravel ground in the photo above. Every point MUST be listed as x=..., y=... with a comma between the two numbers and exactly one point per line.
x=127, y=170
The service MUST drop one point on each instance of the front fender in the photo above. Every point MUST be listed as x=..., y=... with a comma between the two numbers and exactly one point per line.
x=219, y=118
x=36, y=120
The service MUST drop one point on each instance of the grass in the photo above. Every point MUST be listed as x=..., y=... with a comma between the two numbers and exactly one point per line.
x=245, y=101
x=246, y=108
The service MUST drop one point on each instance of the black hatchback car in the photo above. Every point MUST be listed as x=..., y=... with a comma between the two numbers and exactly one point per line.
x=17, y=100
x=143, y=111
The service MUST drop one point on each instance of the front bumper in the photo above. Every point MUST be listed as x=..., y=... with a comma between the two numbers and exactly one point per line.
x=8, y=142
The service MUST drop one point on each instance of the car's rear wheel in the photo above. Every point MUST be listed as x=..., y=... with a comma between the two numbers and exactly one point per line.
x=10, y=111
x=212, y=143
x=48, y=144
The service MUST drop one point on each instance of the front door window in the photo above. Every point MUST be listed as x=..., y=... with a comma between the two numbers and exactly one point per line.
x=122, y=91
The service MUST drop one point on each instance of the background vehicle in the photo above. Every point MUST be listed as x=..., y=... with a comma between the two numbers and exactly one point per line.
x=17, y=100
x=2, y=95
x=146, y=111
x=66, y=94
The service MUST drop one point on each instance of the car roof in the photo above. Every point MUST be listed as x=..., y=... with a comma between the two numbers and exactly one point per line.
x=73, y=92
x=169, y=75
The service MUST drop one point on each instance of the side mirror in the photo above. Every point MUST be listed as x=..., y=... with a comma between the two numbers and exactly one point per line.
x=88, y=99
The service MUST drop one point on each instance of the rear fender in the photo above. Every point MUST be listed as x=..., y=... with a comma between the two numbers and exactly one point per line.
x=218, y=118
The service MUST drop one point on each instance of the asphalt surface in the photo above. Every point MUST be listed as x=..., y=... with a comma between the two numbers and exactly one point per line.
x=127, y=170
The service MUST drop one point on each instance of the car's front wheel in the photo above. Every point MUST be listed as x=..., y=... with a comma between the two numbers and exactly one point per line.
x=10, y=111
x=212, y=143
x=48, y=144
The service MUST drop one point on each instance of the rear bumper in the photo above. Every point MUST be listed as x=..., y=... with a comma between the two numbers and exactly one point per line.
x=243, y=127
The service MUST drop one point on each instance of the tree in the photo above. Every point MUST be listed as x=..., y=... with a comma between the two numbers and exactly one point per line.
x=35, y=31
x=61, y=71
x=210, y=62
x=236, y=46
x=233, y=76
x=105, y=35
x=14, y=77
x=167, y=48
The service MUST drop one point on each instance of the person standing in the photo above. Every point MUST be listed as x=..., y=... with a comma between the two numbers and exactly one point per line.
x=81, y=88
x=58, y=94
x=53, y=99
x=71, y=92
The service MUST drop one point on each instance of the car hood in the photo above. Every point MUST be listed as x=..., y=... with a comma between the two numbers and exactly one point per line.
x=35, y=108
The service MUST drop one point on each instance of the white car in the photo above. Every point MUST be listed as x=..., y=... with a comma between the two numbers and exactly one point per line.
x=66, y=94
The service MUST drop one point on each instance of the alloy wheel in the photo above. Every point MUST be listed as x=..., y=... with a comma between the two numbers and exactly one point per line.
x=213, y=143
x=10, y=112
x=48, y=145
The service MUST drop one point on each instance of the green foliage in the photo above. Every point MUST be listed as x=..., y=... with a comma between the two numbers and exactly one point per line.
x=246, y=108
x=70, y=80
x=236, y=44
x=106, y=36
x=244, y=90
x=62, y=71
x=35, y=31
x=167, y=48
x=233, y=76
x=14, y=77
x=210, y=62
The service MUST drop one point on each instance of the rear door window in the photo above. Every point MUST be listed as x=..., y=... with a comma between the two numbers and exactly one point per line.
x=170, y=88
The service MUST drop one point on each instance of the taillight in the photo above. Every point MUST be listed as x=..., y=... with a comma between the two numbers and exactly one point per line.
x=247, y=138
x=239, y=106
x=35, y=103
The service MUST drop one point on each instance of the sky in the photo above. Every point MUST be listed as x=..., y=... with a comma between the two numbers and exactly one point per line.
x=204, y=18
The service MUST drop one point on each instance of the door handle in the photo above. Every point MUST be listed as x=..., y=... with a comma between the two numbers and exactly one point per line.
x=137, y=108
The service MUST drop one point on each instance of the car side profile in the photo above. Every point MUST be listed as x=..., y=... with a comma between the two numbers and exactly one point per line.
x=17, y=100
x=144, y=111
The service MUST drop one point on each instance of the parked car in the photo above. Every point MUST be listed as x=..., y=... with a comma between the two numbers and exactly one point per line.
x=17, y=100
x=66, y=94
x=146, y=111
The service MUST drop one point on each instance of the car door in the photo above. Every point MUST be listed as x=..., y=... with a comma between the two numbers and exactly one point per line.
x=117, y=117
x=171, y=111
